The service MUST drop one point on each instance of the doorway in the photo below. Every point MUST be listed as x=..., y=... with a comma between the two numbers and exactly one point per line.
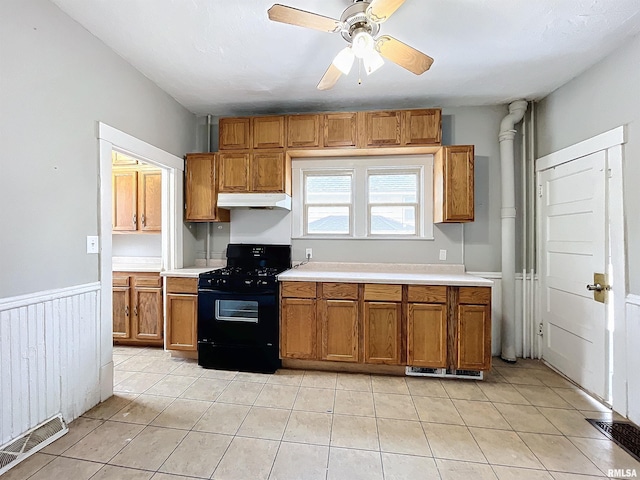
x=581, y=233
x=171, y=231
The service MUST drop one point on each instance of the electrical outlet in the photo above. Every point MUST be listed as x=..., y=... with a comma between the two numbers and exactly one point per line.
x=443, y=254
x=308, y=253
x=92, y=244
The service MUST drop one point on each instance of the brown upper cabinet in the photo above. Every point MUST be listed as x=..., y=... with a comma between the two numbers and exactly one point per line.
x=137, y=200
x=340, y=130
x=303, y=131
x=235, y=133
x=382, y=129
x=268, y=132
x=453, y=184
x=257, y=171
x=422, y=127
x=200, y=189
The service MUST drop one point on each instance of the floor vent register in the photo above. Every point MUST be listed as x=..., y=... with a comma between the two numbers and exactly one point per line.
x=30, y=442
x=625, y=434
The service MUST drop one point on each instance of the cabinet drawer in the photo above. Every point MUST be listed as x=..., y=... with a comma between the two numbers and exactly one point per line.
x=154, y=281
x=475, y=295
x=299, y=289
x=346, y=291
x=182, y=285
x=427, y=294
x=120, y=281
x=388, y=293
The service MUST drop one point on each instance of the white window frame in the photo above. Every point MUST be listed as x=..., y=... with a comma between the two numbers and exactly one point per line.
x=338, y=172
x=361, y=168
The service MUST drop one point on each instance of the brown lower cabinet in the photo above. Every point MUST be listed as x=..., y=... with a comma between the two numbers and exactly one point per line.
x=182, y=314
x=137, y=308
x=417, y=325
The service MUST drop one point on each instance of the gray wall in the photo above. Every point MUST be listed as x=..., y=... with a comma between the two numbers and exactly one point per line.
x=604, y=97
x=56, y=82
x=477, y=126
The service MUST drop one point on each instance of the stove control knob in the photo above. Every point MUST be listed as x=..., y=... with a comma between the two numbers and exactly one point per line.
x=248, y=282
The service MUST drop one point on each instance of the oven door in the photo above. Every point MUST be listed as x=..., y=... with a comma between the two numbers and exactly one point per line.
x=238, y=318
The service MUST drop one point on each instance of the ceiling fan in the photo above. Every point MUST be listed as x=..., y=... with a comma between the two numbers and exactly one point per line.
x=359, y=24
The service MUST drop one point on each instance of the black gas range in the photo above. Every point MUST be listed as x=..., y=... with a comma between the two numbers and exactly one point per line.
x=238, y=315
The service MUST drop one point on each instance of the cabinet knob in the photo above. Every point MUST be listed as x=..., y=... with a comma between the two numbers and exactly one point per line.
x=135, y=219
x=135, y=310
x=126, y=310
x=142, y=219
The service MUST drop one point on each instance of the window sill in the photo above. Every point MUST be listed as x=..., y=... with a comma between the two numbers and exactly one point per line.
x=341, y=237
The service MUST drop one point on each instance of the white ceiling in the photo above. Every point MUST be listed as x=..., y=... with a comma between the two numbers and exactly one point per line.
x=224, y=57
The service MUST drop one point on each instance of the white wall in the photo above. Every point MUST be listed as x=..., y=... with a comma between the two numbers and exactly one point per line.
x=57, y=82
x=604, y=97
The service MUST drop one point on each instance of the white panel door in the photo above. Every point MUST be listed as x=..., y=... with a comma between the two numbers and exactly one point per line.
x=574, y=246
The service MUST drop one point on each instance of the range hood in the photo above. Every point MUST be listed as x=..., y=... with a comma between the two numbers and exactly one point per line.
x=254, y=200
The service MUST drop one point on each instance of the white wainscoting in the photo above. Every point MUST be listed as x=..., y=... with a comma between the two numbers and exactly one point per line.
x=633, y=357
x=49, y=357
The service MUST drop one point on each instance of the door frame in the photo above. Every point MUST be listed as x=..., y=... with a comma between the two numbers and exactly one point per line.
x=110, y=138
x=612, y=143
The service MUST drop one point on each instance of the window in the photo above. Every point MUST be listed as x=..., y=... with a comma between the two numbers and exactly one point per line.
x=363, y=197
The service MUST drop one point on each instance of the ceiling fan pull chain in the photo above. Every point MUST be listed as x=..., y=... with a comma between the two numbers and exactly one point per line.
x=359, y=71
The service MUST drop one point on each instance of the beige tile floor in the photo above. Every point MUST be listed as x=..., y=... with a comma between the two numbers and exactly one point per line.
x=172, y=420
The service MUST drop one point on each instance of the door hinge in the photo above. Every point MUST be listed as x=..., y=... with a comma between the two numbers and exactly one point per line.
x=540, y=191
x=540, y=331
x=610, y=173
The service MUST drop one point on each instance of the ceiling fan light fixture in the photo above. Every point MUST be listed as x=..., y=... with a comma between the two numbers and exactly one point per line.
x=344, y=60
x=362, y=43
x=372, y=61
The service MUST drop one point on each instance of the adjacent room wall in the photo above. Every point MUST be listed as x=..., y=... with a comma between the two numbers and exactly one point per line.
x=57, y=82
x=604, y=97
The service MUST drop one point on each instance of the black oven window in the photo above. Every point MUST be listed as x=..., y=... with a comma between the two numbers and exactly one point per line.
x=237, y=311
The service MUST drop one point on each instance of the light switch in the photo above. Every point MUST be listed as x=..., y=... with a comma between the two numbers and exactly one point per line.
x=92, y=244
x=443, y=254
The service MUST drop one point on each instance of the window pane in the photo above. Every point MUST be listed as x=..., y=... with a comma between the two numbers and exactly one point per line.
x=393, y=220
x=393, y=188
x=328, y=220
x=327, y=189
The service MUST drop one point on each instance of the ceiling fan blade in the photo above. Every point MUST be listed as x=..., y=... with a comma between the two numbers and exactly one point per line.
x=380, y=10
x=302, y=18
x=402, y=54
x=329, y=78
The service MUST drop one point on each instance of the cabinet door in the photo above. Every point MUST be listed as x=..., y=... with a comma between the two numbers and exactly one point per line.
x=382, y=129
x=121, y=312
x=427, y=335
x=200, y=189
x=340, y=130
x=422, y=127
x=268, y=132
x=339, y=330
x=124, y=186
x=234, y=133
x=474, y=337
x=267, y=172
x=147, y=313
x=182, y=313
x=382, y=335
x=233, y=173
x=298, y=328
x=453, y=184
x=150, y=200
x=303, y=131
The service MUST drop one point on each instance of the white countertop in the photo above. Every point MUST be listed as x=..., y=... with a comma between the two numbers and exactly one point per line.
x=453, y=275
x=194, y=271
